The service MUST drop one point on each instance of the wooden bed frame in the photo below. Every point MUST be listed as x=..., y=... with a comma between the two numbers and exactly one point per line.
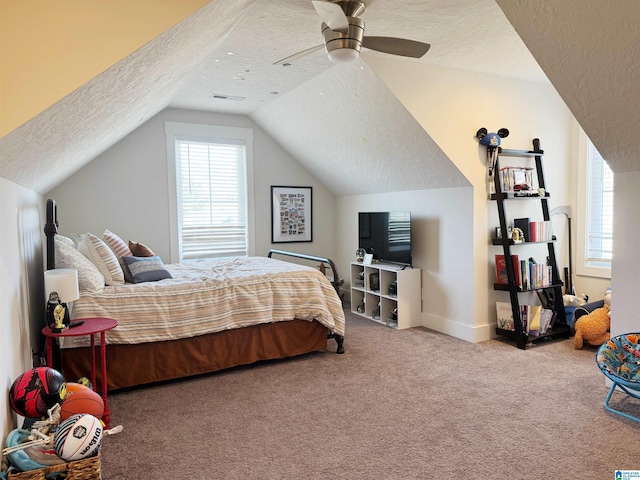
x=133, y=365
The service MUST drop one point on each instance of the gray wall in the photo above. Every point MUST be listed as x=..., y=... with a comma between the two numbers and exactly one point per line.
x=125, y=189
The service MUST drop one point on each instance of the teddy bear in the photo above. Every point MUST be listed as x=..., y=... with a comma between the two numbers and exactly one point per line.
x=594, y=327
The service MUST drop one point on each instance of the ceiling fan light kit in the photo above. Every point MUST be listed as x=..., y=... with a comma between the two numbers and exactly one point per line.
x=344, y=47
x=343, y=35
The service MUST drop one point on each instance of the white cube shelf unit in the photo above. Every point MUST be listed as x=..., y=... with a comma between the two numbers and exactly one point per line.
x=370, y=296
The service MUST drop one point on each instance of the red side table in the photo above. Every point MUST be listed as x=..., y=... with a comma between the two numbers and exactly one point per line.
x=90, y=327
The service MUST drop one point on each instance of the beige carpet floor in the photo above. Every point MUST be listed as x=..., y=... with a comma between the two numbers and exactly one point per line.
x=411, y=404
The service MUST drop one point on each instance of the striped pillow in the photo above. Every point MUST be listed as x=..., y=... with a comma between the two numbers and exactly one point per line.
x=103, y=258
x=116, y=244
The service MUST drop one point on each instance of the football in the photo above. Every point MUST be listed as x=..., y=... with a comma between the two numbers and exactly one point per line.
x=79, y=436
x=36, y=391
x=81, y=399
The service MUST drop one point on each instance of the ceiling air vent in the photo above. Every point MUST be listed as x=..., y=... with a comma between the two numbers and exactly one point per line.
x=221, y=96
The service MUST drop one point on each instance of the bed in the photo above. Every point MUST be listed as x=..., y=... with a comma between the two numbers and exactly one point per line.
x=206, y=316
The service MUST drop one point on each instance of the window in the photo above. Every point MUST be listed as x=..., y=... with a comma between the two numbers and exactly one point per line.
x=595, y=245
x=211, y=208
x=599, y=235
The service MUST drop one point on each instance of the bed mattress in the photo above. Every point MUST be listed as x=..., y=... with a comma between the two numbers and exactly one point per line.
x=212, y=296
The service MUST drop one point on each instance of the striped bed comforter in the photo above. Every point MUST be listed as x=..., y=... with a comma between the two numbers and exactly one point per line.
x=211, y=296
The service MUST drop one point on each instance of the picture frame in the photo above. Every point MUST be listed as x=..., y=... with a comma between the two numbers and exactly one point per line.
x=368, y=259
x=291, y=214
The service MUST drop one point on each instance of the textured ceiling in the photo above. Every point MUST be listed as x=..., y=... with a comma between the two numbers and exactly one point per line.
x=186, y=65
x=57, y=142
x=357, y=149
x=592, y=56
x=274, y=29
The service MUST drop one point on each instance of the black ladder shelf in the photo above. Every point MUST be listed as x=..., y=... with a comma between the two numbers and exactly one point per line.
x=560, y=328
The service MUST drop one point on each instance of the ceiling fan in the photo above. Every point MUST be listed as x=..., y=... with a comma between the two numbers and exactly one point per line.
x=343, y=34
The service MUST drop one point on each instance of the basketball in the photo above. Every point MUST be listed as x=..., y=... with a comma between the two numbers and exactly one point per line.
x=79, y=436
x=36, y=391
x=81, y=399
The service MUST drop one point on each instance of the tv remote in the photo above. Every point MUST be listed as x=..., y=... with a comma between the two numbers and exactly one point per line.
x=76, y=323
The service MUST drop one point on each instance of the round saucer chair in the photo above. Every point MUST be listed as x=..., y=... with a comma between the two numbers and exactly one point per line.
x=619, y=360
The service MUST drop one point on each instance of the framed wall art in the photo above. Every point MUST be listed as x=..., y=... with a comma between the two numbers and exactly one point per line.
x=291, y=214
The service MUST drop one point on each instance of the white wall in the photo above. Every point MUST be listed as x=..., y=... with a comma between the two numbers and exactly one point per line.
x=452, y=105
x=125, y=189
x=440, y=247
x=625, y=289
x=22, y=287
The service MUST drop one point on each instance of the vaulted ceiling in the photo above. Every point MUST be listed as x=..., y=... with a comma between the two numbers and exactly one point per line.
x=590, y=50
x=228, y=48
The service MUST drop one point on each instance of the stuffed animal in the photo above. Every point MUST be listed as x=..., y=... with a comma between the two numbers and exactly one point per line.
x=594, y=327
x=574, y=301
x=607, y=299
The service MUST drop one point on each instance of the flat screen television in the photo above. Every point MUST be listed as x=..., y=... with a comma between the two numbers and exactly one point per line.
x=386, y=235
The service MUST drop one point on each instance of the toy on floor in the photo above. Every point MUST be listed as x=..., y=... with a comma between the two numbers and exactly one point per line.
x=79, y=436
x=594, y=328
x=81, y=399
x=574, y=301
x=36, y=391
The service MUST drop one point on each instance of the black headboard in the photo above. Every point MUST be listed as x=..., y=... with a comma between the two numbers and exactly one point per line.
x=50, y=230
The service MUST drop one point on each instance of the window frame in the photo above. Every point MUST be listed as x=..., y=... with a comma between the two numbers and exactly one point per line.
x=582, y=265
x=206, y=133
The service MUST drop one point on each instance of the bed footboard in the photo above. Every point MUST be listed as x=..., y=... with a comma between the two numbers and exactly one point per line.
x=336, y=282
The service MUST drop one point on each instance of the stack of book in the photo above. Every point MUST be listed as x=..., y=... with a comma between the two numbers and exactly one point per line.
x=528, y=273
x=535, y=320
x=540, y=231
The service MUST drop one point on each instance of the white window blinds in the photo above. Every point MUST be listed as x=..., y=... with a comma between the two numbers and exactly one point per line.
x=212, y=201
x=599, y=218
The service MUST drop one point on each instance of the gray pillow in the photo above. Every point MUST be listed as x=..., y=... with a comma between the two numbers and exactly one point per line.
x=145, y=269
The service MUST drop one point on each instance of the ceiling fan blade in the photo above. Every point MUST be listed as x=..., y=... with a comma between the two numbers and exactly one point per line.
x=396, y=46
x=298, y=55
x=332, y=14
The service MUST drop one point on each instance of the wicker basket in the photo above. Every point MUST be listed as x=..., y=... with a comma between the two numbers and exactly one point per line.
x=85, y=469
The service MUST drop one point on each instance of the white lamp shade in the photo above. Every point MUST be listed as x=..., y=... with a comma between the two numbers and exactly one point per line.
x=343, y=55
x=64, y=281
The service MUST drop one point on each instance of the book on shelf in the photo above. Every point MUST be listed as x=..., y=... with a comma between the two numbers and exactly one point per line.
x=540, y=231
x=528, y=273
x=504, y=316
x=535, y=319
x=523, y=224
x=501, y=269
x=538, y=275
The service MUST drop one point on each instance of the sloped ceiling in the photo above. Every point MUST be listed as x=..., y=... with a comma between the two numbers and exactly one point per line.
x=358, y=149
x=63, y=138
x=590, y=50
x=345, y=121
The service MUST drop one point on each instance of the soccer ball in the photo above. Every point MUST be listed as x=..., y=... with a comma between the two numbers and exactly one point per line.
x=36, y=391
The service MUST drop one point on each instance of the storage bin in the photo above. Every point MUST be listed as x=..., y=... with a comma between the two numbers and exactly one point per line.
x=85, y=469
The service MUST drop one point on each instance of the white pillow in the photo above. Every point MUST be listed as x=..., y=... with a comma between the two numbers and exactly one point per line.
x=103, y=258
x=89, y=277
x=67, y=240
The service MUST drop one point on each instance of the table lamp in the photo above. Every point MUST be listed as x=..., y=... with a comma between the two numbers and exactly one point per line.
x=61, y=286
